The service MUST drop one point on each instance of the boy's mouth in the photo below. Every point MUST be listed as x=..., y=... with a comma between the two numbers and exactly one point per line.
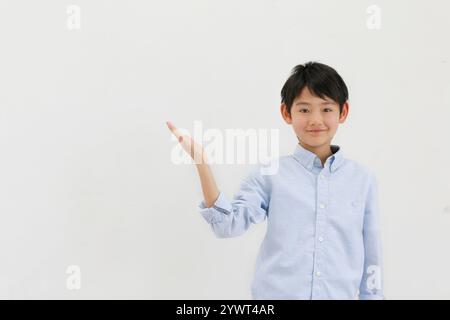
x=316, y=132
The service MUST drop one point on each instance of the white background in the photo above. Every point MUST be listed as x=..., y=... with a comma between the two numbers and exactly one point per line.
x=86, y=176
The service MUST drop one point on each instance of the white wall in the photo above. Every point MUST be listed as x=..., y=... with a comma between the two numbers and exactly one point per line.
x=86, y=176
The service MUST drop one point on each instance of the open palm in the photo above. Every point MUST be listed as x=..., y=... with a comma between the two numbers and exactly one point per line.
x=194, y=149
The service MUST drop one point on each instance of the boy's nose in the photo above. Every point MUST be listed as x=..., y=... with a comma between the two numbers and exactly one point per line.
x=315, y=121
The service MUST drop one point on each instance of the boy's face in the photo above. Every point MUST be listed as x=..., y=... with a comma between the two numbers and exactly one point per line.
x=309, y=113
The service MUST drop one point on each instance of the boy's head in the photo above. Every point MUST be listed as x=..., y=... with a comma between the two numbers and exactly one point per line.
x=314, y=97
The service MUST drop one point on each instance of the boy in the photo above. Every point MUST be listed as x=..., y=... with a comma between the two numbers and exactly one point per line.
x=322, y=239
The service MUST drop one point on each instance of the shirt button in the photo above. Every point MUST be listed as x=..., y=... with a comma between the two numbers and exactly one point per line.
x=322, y=206
x=318, y=273
x=320, y=239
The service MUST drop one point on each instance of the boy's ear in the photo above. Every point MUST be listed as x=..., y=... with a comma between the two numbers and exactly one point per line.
x=285, y=114
x=344, y=113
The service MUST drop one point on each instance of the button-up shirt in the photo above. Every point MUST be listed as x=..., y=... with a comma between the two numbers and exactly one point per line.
x=322, y=238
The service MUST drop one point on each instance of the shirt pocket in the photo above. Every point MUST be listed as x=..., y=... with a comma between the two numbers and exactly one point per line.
x=357, y=211
x=357, y=204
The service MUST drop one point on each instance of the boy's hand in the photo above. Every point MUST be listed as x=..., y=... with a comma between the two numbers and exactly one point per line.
x=189, y=145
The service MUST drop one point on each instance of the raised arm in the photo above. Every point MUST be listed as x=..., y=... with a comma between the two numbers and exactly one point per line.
x=227, y=218
x=196, y=151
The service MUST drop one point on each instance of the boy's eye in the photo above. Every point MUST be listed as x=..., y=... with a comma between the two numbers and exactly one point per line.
x=305, y=110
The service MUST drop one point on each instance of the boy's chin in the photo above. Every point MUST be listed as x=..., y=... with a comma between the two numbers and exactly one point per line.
x=317, y=142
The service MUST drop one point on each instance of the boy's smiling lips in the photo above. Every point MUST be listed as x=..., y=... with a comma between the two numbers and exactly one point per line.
x=315, y=132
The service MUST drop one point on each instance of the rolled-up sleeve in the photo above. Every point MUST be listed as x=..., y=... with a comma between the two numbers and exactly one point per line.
x=371, y=287
x=249, y=205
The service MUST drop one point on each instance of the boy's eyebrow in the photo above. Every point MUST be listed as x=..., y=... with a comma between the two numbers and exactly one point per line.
x=304, y=102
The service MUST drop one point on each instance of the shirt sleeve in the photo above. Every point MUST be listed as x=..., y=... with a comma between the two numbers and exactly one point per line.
x=371, y=287
x=249, y=205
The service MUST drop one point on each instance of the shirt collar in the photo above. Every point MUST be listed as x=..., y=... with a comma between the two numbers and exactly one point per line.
x=309, y=159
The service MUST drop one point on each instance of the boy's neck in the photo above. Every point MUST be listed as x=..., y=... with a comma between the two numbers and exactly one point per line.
x=323, y=151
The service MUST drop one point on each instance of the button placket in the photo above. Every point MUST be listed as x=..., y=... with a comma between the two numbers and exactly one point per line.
x=322, y=200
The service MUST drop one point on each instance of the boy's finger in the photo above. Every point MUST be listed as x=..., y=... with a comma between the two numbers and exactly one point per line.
x=170, y=125
x=173, y=129
x=181, y=137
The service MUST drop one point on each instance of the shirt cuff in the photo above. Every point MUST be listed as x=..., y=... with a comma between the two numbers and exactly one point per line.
x=216, y=212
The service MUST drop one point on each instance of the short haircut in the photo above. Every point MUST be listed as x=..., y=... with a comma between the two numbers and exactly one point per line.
x=322, y=80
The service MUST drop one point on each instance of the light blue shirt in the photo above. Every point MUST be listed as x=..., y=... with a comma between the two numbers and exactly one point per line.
x=322, y=239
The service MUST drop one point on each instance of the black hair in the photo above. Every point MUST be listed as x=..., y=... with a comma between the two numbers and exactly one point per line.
x=321, y=80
